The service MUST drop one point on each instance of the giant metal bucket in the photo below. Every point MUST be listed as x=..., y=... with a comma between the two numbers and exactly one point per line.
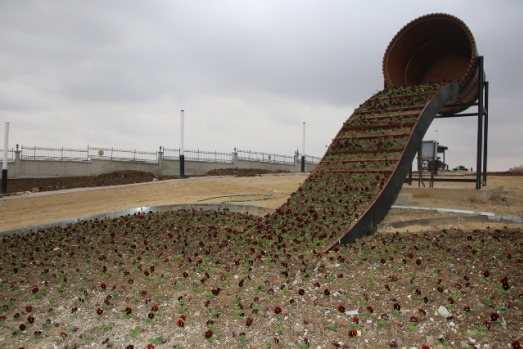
x=435, y=47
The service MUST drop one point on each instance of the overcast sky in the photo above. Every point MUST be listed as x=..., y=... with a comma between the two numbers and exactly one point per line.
x=247, y=73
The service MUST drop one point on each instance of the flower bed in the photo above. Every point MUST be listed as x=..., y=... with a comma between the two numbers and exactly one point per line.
x=356, y=166
x=215, y=279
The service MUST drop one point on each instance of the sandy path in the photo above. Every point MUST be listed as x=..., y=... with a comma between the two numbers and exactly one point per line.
x=268, y=191
x=47, y=207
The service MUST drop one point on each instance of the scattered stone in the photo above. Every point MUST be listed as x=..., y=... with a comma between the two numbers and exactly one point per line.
x=444, y=312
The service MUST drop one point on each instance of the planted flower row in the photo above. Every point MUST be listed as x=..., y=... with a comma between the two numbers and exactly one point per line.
x=376, y=143
x=380, y=118
x=355, y=168
x=379, y=129
x=341, y=156
x=368, y=165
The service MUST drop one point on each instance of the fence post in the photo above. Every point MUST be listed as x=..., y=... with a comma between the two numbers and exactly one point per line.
x=160, y=162
x=303, y=150
x=17, y=161
x=235, y=158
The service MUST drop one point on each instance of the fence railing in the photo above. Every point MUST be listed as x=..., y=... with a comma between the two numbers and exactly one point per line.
x=59, y=154
x=122, y=154
x=10, y=155
x=198, y=155
x=264, y=157
x=105, y=153
x=309, y=159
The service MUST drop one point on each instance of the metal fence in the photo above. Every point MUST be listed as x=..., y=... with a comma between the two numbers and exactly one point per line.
x=122, y=154
x=10, y=155
x=198, y=155
x=60, y=154
x=105, y=153
x=264, y=157
x=309, y=159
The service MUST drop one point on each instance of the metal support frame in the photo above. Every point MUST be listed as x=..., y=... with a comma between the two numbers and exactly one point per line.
x=482, y=127
x=431, y=163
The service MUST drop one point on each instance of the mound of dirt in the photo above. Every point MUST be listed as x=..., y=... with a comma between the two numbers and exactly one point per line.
x=61, y=183
x=241, y=172
x=18, y=185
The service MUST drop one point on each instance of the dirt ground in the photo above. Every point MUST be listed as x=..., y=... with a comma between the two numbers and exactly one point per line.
x=33, y=202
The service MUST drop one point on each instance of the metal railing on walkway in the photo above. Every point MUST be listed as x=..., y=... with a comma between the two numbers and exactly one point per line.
x=198, y=155
x=106, y=153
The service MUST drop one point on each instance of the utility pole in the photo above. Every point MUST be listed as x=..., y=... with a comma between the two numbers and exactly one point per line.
x=303, y=150
x=4, y=166
x=182, y=156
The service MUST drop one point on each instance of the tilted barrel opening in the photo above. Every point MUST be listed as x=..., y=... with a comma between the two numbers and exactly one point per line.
x=433, y=48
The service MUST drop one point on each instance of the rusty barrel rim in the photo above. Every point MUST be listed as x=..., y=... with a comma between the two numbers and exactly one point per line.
x=445, y=45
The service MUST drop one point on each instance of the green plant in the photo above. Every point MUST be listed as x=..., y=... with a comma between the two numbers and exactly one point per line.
x=412, y=328
x=159, y=296
x=125, y=316
x=213, y=313
x=486, y=300
x=106, y=328
x=135, y=332
x=157, y=340
x=87, y=338
x=304, y=345
x=39, y=294
x=242, y=338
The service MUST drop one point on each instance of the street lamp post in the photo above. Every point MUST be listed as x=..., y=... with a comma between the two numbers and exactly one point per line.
x=182, y=155
x=4, y=166
x=303, y=150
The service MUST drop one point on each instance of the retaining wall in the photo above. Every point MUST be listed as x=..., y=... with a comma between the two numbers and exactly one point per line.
x=27, y=168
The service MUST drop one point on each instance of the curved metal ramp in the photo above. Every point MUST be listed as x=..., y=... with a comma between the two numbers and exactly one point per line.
x=355, y=184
